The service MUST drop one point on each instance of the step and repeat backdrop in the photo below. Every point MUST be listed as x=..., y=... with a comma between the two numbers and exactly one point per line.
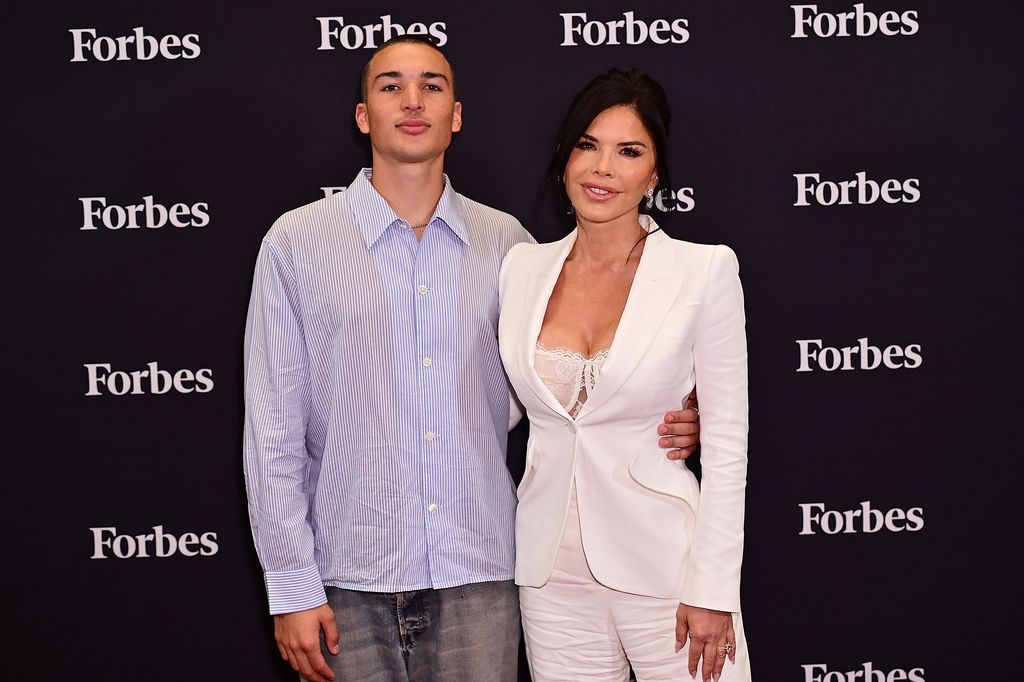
x=862, y=158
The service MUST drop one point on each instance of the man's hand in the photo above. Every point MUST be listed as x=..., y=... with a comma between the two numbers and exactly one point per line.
x=298, y=640
x=681, y=429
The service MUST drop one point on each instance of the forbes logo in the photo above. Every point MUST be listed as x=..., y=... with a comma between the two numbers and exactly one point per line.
x=856, y=23
x=107, y=543
x=331, y=190
x=628, y=30
x=137, y=45
x=862, y=520
x=819, y=672
x=811, y=188
x=152, y=380
x=147, y=214
x=867, y=356
x=668, y=200
x=334, y=32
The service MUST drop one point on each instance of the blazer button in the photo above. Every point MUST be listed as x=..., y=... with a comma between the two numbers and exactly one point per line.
x=571, y=427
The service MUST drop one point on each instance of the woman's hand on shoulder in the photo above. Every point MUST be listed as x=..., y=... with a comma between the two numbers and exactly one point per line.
x=711, y=636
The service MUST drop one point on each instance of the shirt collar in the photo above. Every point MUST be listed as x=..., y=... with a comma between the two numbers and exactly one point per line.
x=374, y=214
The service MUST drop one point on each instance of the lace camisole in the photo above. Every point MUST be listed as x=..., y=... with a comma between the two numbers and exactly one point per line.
x=569, y=375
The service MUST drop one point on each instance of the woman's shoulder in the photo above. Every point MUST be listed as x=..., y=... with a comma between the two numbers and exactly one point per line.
x=525, y=253
x=708, y=254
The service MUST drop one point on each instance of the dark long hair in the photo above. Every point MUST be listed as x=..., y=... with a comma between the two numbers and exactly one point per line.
x=616, y=88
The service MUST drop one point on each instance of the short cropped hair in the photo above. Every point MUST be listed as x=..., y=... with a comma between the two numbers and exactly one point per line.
x=397, y=40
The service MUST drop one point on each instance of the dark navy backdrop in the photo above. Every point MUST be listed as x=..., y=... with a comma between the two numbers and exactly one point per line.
x=251, y=119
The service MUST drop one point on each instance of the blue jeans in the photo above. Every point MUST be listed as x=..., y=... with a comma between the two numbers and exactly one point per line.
x=459, y=634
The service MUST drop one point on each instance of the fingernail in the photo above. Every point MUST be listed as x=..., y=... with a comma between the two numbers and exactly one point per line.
x=662, y=429
x=663, y=442
x=679, y=647
x=669, y=418
x=717, y=676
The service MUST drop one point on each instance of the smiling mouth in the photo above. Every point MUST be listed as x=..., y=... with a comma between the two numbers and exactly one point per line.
x=599, y=193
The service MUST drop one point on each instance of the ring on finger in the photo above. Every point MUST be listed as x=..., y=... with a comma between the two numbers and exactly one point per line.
x=726, y=649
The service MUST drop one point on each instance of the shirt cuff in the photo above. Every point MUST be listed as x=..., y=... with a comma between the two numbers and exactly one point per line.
x=298, y=590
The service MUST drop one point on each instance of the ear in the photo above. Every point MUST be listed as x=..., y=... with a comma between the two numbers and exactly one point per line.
x=457, y=117
x=362, y=120
x=654, y=180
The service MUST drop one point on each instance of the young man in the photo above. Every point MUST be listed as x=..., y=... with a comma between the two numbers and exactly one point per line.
x=377, y=408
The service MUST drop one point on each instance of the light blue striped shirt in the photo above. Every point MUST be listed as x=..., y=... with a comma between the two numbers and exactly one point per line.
x=376, y=408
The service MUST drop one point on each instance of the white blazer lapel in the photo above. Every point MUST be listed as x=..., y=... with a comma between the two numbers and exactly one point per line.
x=655, y=286
x=541, y=282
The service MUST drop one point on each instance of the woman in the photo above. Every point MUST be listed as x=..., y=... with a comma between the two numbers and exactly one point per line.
x=622, y=559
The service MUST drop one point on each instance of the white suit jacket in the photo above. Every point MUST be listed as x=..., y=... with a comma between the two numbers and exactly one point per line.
x=647, y=527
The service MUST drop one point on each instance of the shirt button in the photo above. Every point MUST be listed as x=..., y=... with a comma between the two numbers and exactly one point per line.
x=422, y=289
x=429, y=435
x=427, y=362
x=571, y=427
x=432, y=508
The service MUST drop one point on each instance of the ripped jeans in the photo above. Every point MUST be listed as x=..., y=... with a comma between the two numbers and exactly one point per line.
x=468, y=633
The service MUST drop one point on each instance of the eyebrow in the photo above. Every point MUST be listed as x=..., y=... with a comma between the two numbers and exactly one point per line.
x=630, y=143
x=427, y=75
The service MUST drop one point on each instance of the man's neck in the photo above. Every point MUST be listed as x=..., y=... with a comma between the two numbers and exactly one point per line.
x=412, y=189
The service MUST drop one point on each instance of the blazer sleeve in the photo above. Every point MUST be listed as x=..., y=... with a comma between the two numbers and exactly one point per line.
x=720, y=362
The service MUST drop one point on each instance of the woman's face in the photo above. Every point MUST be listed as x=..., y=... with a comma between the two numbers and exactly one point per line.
x=611, y=167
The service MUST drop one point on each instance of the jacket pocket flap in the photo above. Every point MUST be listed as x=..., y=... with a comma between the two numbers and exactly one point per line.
x=654, y=471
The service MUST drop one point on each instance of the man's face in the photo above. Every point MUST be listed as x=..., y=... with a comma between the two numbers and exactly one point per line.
x=410, y=110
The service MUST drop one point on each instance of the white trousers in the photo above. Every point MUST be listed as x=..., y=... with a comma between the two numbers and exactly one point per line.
x=575, y=628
